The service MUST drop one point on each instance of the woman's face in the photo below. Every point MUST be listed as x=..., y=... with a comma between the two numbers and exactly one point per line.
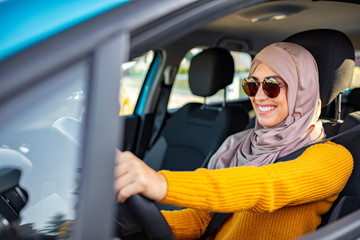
x=269, y=111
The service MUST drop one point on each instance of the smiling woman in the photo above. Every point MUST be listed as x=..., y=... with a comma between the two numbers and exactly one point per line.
x=243, y=178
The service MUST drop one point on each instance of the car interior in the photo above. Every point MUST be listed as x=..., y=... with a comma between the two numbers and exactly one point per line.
x=194, y=132
x=332, y=36
x=180, y=98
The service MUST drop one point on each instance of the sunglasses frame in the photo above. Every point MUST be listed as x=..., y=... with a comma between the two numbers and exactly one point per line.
x=258, y=83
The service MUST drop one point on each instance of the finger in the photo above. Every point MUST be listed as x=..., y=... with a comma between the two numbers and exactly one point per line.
x=121, y=170
x=121, y=183
x=126, y=167
x=128, y=191
x=124, y=177
x=122, y=157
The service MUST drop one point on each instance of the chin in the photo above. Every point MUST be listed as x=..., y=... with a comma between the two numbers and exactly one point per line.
x=268, y=124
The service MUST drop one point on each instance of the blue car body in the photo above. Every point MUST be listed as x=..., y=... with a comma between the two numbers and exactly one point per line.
x=25, y=23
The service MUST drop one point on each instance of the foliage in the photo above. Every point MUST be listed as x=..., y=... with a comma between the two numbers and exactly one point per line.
x=60, y=227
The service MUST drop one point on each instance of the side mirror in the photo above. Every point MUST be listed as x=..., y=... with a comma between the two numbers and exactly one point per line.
x=12, y=200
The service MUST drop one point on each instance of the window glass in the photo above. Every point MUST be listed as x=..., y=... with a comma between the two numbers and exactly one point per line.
x=134, y=73
x=181, y=93
x=356, y=78
x=40, y=134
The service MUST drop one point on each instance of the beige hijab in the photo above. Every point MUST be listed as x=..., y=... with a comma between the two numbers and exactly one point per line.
x=262, y=146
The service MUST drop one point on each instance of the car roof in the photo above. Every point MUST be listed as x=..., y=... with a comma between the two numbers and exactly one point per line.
x=260, y=24
x=25, y=23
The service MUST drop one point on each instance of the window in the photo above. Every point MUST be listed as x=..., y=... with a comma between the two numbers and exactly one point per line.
x=181, y=93
x=134, y=74
x=40, y=135
x=356, y=78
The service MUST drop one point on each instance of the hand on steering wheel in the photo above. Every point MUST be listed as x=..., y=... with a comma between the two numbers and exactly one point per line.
x=132, y=178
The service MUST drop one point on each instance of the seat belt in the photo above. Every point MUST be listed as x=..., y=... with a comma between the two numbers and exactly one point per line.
x=219, y=218
x=161, y=109
x=216, y=221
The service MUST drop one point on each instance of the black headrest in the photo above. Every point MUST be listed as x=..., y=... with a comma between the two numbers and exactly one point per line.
x=210, y=71
x=334, y=54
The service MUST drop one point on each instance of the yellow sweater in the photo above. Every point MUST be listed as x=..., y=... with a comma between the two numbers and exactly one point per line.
x=277, y=201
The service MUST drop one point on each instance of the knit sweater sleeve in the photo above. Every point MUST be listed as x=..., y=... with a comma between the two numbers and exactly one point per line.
x=320, y=172
x=187, y=223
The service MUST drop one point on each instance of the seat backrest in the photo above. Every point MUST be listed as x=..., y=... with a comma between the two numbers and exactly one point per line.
x=193, y=133
x=349, y=199
x=334, y=54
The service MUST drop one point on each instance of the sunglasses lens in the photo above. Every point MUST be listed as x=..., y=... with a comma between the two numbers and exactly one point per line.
x=271, y=87
x=250, y=87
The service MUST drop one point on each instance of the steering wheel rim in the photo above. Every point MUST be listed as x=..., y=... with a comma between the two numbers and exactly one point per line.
x=148, y=215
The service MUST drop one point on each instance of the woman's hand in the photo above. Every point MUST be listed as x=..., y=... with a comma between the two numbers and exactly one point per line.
x=133, y=176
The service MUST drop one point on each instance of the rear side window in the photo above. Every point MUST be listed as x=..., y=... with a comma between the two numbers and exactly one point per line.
x=40, y=135
x=356, y=78
x=134, y=74
x=181, y=93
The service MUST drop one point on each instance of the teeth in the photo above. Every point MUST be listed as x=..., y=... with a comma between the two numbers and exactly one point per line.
x=265, y=109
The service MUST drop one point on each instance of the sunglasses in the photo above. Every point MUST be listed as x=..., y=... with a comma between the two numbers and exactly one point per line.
x=270, y=85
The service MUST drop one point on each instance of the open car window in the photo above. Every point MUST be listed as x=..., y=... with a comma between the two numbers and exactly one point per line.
x=356, y=78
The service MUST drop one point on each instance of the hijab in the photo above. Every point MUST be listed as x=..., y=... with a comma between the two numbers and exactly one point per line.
x=260, y=145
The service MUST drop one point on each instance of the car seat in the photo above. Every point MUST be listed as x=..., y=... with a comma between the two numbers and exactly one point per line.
x=195, y=131
x=334, y=54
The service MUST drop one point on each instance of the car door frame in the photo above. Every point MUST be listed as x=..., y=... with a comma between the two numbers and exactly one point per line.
x=103, y=54
x=105, y=46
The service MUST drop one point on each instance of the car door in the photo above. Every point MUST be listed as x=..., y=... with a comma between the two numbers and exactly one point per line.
x=59, y=121
x=59, y=127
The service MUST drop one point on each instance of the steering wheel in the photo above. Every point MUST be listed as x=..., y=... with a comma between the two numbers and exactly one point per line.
x=139, y=213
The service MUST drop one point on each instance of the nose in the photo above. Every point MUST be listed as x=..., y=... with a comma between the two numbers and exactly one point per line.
x=260, y=95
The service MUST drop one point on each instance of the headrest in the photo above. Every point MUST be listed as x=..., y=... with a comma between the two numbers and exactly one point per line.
x=334, y=54
x=210, y=71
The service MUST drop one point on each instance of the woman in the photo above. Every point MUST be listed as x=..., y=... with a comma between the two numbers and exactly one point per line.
x=269, y=201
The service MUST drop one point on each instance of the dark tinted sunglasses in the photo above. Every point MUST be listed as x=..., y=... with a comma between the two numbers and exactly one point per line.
x=270, y=85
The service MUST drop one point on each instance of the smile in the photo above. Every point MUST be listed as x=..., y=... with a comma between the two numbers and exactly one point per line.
x=266, y=109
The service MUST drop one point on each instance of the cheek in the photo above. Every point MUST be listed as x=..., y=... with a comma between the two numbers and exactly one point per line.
x=285, y=104
x=252, y=99
x=285, y=111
